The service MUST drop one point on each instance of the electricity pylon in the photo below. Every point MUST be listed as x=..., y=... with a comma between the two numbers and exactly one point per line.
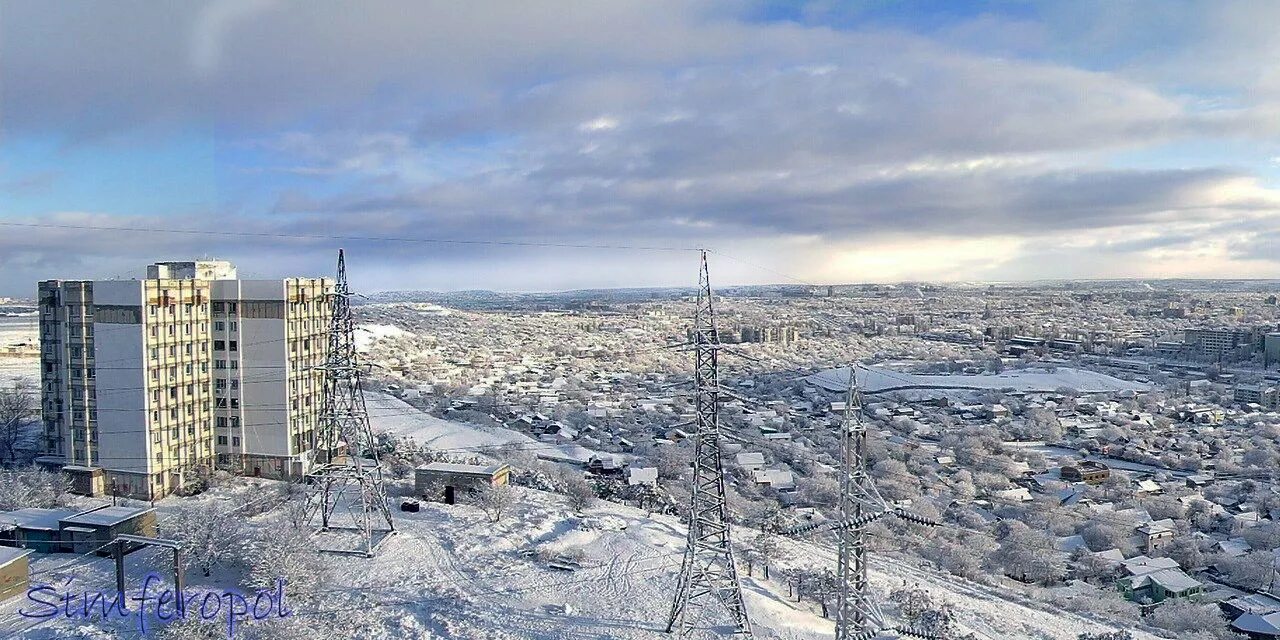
x=858, y=617
x=348, y=494
x=708, y=576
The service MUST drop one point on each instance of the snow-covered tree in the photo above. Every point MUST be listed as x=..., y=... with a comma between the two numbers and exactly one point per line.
x=494, y=500
x=33, y=487
x=579, y=493
x=1191, y=620
x=209, y=533
x=1029, y=555
x=17, y=408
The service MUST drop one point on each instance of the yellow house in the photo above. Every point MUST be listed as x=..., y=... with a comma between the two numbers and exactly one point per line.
x=15, y=572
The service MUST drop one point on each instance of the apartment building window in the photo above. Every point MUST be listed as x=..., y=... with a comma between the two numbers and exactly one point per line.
x=173, y=392
x=235, y=384
x=188, y=350
x=235, y=441
x=219, y=326
x=235, y=421
x=191, y=389
x=222, y=422
x=235, y=364
x=219, y=364
x=173, y=351
x=219, y=345
x=173, y=413
x=231, y=308
x=155, y=374
x=189, y=369
x=235, y=403
x=155, y=395
x=233, y=326
x=220, y=403
x=222, y=441
x=152, y=309
x=155, y=331
x=233, y=346
x=172, y=330
x=220, y=384
x=204, y=367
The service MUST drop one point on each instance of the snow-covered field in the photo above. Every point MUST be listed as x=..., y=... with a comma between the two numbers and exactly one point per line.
x=875, y=379
x=451, y=573
x=392, y=415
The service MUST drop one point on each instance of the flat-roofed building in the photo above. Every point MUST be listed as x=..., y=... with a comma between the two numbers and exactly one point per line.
x=135, y=374
x=448, y=481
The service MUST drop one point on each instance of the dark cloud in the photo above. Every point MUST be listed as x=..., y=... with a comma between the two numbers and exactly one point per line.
x=659, y=123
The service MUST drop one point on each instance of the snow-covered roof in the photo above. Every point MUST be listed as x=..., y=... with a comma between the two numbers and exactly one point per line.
x=463, y=469
x=9, y=554
x=33, y=518
x=106, y=516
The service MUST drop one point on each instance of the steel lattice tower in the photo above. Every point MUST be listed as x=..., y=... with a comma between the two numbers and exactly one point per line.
x=347, y=489
x=708, y=575
x=857, y=617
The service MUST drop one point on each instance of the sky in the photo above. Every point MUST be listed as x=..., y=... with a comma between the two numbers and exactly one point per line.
x=598, y=144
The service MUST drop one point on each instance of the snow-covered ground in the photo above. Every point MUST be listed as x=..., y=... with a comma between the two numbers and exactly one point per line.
x=875, y=379
x=392, y=415
x=451, y=573
x=367, y=334
x=27, y=369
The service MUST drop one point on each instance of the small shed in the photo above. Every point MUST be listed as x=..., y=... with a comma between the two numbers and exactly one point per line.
x=447, y=481
x=89, y=530
x=15, y=572
x=35, y=529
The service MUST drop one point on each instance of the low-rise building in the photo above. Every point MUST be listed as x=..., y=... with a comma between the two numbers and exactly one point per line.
x=447, y=481
x=1086, y=471
x=15, y=572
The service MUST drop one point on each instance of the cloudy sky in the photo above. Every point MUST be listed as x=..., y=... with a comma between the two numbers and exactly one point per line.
x=822, y=142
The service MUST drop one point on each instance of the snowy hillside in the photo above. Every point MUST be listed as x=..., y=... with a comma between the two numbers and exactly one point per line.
x=451, y=573
x=389, y=414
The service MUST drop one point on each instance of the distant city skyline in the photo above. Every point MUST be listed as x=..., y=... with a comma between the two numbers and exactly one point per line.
x=818, y=143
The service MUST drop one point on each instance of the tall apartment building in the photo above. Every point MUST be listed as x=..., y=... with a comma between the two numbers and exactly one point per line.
x=146, y=383
x=1217, y=344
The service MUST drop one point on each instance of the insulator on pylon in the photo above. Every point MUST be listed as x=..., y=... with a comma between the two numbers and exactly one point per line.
x=916, y=633
x=916, y=518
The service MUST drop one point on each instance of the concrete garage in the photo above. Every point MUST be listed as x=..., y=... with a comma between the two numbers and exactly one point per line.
x=448, y=482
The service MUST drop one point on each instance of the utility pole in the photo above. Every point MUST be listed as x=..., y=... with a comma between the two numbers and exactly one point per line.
x=348, y=494
x=708, y=576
